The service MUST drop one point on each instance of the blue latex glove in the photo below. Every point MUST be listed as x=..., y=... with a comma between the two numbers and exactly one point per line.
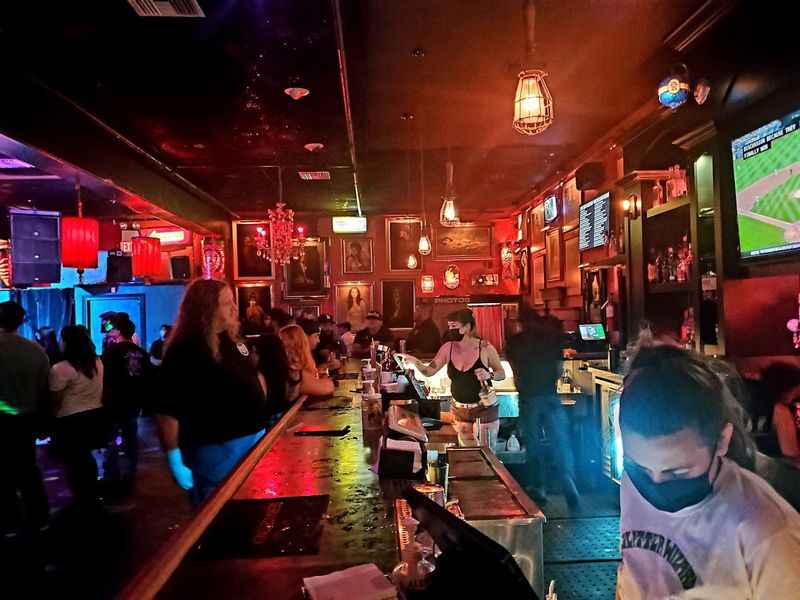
x=180, y=472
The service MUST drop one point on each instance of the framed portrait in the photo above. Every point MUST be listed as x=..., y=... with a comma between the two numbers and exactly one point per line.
x=595, y=294
x=470, y=242
x=402, y=242
x=254, y=300
x=555, y=255
x=357, y=256
x=247, y=264
x=304, y=277
x=537, y=224
x=304, y=311
x=572, y=203
x=353, y=301
x=398, y=304
x=538, y=279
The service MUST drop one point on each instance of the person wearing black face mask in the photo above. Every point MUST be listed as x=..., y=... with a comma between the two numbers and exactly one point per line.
x=470, y=361
x=694, y=521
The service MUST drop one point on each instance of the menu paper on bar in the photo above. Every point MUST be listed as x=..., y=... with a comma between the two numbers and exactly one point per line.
x=594, y=222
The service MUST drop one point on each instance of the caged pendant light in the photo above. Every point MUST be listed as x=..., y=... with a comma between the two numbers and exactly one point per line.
x=533, y=103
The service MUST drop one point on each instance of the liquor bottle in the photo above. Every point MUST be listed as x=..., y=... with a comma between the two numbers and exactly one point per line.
x=659, y=263
x=652, y=267
x=672, y=264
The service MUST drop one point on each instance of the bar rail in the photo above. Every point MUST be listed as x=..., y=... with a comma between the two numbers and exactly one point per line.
x=155, y=573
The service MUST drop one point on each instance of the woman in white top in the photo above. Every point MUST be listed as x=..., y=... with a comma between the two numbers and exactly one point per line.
x=695, y=522
x=81, y=424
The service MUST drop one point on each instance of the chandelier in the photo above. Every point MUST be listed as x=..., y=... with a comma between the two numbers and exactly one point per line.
x=277, y=243
x=533, y=104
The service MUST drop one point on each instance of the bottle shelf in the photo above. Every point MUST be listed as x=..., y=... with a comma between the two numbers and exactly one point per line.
x=671, y=287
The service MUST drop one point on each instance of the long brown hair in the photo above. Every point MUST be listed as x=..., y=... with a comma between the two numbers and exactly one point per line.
x=197, y=312
x=298, y=350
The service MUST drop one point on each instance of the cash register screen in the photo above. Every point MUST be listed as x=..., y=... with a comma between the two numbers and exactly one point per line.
x=419, y=388
x=592, y=332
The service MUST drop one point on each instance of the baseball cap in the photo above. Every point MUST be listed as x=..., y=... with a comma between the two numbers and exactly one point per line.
x=374, y=314
x=325, y=318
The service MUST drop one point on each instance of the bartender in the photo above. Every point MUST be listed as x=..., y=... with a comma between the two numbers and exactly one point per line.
x=470, y=361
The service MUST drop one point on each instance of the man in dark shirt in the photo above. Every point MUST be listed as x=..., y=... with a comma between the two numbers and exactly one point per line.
x=374, y=330
x=425, y=337
x=24, y=395
x=127, y=382
x=157, y=347
x=329, y=342
x=535, y=356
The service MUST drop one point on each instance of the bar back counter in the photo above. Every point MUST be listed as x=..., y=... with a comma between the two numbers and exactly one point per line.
x=306, y=502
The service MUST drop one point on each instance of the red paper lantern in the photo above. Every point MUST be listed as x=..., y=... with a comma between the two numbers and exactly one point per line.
x=80, y=242
x=146, y=256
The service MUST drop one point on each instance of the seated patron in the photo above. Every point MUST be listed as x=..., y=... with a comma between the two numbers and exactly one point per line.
x=346, y=335
x=304, y=379
x=425, y=337
x=695, y=521
x=375, y=330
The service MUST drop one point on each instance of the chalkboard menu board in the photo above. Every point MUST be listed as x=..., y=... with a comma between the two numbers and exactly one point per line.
x=594, y=222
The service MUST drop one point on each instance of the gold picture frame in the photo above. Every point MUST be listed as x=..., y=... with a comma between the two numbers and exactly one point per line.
x=402, y=241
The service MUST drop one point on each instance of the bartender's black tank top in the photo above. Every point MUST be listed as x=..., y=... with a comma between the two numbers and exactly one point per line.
x=464, y=385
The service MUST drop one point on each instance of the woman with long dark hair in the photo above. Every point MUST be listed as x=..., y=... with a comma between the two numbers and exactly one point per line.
x=695, y=521
x=81, y=424
x=214, y=407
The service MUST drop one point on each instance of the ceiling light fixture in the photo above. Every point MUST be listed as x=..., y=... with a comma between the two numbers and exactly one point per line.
x=295, y=93
x=448, y=215
x=277, y=243
x=424, y=247
x=533, y=103
x=314, y=147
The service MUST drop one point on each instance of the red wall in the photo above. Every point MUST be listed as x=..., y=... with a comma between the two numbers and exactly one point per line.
x=503, y=230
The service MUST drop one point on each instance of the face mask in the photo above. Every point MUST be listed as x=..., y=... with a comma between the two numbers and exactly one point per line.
x=452, y=335
x=673, y=495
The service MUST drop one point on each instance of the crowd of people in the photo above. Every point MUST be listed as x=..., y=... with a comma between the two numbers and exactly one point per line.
x=89, y=404
x=222, y=384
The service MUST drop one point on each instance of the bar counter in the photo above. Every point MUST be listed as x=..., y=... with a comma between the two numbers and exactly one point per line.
x=357, y=527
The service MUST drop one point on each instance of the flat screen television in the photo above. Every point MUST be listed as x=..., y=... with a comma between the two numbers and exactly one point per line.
x=594, y=222
x=766, y=172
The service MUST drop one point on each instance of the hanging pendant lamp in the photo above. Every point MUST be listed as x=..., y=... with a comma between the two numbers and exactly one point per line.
x=448, y=215
x=424, y=246
x=533, y=103
x=80, y=239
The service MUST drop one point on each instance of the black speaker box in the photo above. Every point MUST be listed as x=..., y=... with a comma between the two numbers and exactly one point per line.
x=118, y=269
x=181, y=269
x=590, y=176
x=35, y=247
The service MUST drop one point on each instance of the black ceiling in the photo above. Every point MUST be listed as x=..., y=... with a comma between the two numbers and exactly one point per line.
x=203, y=95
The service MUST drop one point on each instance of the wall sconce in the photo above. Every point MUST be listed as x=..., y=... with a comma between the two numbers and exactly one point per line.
x=427, y=284
x=452, y=277
x=632, y=205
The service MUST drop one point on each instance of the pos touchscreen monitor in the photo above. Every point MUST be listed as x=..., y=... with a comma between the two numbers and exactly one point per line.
x=592, y=332
x=471, y=564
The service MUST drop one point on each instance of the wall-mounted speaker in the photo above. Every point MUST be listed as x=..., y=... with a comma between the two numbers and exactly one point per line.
x=118, y=269
x=35, y=247
x=181, y=268
x=590, y=176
